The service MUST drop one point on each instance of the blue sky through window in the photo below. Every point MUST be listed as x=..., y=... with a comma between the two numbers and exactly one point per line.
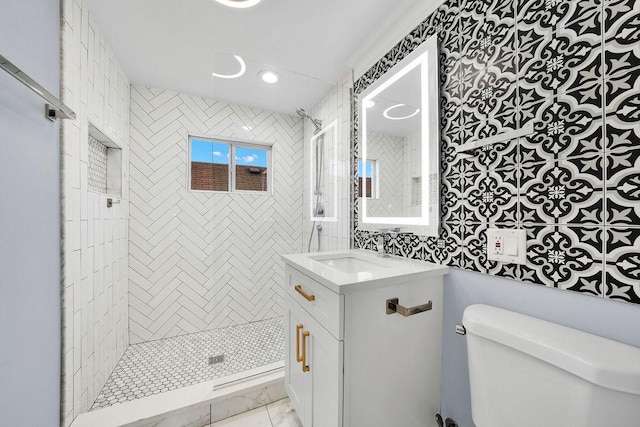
x=369, y=168
x=251, y=157
x=218, y=152
x=209, y=152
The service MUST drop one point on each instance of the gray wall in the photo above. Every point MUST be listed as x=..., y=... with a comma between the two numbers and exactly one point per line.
x=29, y=219
x=614, y=320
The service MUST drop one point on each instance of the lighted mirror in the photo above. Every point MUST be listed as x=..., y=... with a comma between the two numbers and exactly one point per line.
x=324, y=176
x=398, y=161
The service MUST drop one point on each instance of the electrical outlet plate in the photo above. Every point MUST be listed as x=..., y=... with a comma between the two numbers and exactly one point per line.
x=507, y=245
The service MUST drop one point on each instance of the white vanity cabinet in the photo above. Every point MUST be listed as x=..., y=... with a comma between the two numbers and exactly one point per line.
x=350, y=363
x=314, y=357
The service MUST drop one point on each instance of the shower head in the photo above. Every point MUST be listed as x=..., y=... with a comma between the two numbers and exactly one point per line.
x=317, y=123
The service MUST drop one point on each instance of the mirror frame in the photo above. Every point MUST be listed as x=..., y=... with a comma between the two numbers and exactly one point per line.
x=425, y=55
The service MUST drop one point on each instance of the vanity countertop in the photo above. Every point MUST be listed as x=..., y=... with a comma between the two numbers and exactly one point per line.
x=353, y=270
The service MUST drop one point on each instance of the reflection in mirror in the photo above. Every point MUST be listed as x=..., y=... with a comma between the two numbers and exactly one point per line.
x=370, y=174
x=400, y=136
x=324, y=174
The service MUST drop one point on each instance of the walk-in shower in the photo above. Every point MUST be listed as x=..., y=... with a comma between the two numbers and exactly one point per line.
x=318, y=156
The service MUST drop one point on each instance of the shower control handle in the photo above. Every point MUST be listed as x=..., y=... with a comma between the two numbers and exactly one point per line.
x=298, y=329
x=306, y=296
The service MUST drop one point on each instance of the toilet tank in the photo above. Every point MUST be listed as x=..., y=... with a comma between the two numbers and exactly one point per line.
x=528, y=372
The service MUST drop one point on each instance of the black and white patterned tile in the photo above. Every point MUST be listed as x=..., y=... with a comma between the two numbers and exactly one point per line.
x=546, y=16
x=474, y=250
x=623, y=188
x=622, y=270
x=451, y=198
x=558, y=63
x=569, y=191
x=155, y=367
x=567, y=125
x=574, y=60
x=484, y=9
x=622, y=36
x=487, y=93
x=623, y=111
x=489, y=41
x=491, y=197
x=565, y=257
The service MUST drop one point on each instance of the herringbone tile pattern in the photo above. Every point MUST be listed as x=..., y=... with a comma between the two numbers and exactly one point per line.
x=201, y=260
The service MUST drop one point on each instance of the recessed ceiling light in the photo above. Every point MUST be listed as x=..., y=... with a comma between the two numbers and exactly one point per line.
x=239, y=4
x=247, y=128
x=368, y=103
x=243, y=68
x=386, y=113
x=268, y=76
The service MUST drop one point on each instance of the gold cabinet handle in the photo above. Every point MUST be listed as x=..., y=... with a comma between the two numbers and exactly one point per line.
x=306, y=296
x=298, y=328
x=305, y=367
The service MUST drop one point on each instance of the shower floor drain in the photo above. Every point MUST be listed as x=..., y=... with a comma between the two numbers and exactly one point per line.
x=168, y=364
x=216, y=359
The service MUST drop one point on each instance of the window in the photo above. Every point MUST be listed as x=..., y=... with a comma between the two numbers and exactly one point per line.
x=370, y=173
x=221, y=165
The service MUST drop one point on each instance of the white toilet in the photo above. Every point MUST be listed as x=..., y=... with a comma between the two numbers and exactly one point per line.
x=527, y=372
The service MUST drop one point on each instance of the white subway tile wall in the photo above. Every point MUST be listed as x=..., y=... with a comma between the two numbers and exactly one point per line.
x=336, y=105
x=97, y=166
x=95, y=238
x=205, y=260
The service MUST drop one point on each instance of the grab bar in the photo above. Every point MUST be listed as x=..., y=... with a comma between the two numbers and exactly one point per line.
x=54, y=108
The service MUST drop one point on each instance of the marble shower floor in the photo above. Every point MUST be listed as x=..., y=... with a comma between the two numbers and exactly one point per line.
x=159, y=366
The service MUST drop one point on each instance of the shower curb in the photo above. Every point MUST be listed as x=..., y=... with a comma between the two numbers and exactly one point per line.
x=194, y=406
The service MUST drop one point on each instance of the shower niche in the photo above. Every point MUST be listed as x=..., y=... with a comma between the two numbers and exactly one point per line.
x=324, y=174
x=104, y=171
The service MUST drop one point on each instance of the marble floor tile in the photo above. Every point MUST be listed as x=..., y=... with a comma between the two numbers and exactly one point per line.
x=282, y=414
x=258, y=417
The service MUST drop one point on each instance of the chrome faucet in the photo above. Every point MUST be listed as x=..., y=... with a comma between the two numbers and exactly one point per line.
x=392, y=232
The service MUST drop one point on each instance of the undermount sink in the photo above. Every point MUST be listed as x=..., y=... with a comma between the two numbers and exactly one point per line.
x=349, y=270
x=350, y=264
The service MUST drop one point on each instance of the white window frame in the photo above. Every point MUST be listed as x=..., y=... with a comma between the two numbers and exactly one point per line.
x=233, y=143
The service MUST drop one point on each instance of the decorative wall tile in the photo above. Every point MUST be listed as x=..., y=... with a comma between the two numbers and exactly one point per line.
x=492, y=197
x=490, y=41
x=567, y=125
x=623, y=188
x=481, y=9
x=487, y=94
x=566, y=257
x=575, y=60
x=562, y=192
x=474, y=252
x=501, y=155
x=623, y=264
x=622, y=36
x=548, y=15
x=623, y=111
x=451, y=198
x=562, y=62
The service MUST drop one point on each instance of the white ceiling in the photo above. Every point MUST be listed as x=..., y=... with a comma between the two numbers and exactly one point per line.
x=177, y=44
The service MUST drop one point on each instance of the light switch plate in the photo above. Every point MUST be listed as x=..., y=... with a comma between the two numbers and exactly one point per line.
x=507, y=245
